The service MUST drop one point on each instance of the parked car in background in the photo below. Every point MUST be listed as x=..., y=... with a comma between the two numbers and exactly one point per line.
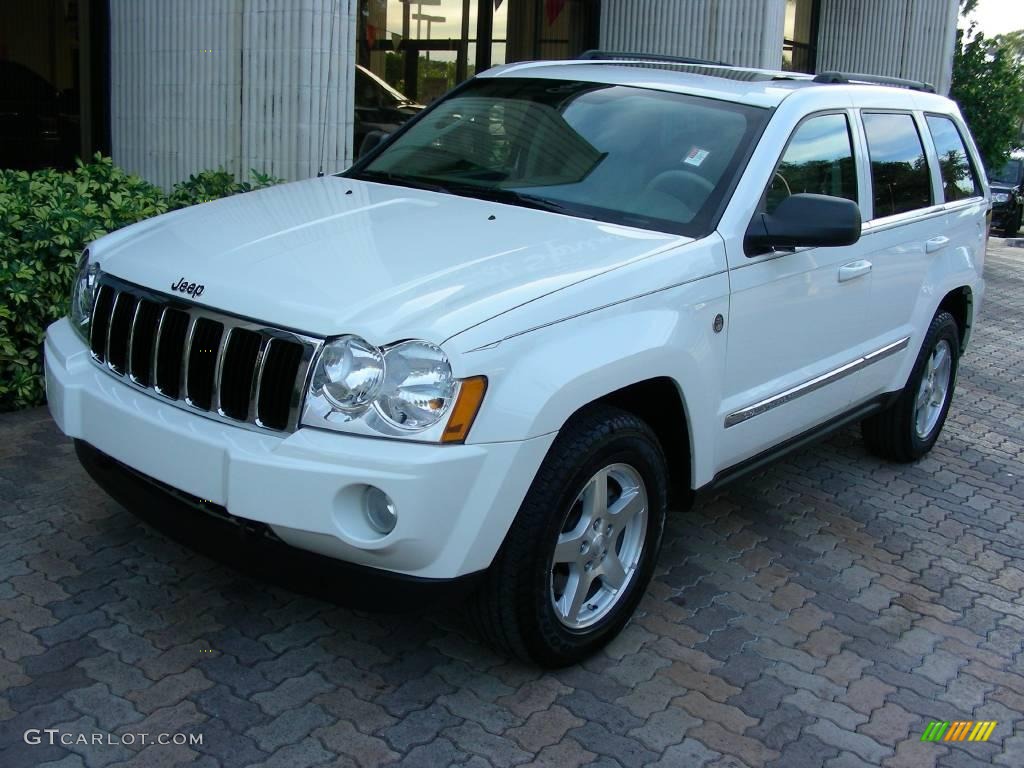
x=378, y=107
x=1007, y=185
x=486, y=354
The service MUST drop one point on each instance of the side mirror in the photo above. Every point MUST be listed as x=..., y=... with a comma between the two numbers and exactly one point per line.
x=804, y=221
x=371, y=141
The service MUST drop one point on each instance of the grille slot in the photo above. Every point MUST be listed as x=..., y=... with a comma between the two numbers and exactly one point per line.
x=202, y=360
x=208, y=362
x=143, y=338
x=280, y=367
x=236, y=381
x=170, y=348
x=119, y=330
x=101, y=321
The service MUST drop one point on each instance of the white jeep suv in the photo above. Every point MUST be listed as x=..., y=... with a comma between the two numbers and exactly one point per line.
x=486, y=353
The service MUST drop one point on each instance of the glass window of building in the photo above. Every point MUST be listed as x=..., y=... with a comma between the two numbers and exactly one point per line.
x=409, y=52
x=800, y=35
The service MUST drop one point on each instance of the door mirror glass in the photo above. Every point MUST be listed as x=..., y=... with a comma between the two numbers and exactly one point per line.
x=804, y=221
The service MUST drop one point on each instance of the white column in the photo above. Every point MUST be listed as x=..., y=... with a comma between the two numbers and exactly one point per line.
x=740, y=32
x=237, y=84
x=896, y=38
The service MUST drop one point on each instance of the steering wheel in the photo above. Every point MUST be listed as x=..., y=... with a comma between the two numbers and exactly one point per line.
x=689, y=188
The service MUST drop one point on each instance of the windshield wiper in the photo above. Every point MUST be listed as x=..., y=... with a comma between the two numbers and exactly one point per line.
x=402, y=181
x=494, y=194
x=510, y=196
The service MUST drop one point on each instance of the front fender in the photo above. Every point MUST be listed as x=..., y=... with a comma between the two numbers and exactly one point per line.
x=538, y=379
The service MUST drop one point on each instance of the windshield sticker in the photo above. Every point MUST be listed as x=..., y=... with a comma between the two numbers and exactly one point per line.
x=696, y=156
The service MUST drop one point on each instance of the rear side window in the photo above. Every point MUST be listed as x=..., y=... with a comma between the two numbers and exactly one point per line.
x=819, y=160
x=899, y=171
x=958, y=178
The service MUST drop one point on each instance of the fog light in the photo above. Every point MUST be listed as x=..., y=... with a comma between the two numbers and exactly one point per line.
x=381, y=513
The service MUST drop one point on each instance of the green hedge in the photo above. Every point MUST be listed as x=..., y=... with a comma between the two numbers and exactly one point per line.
x=46, y=218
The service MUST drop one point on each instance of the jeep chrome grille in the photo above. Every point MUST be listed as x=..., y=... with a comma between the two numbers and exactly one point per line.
x=222, y=366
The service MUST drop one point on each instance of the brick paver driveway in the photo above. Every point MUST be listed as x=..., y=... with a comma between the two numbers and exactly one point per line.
x=819, y=613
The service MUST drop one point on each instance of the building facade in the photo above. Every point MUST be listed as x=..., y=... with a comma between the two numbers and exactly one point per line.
x=290, y=87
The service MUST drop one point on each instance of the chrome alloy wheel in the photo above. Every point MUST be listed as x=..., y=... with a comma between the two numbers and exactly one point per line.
x=936, y=380
x=599, y=547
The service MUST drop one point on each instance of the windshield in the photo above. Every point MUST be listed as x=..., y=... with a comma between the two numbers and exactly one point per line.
x=626, y=155
x=1008, y=174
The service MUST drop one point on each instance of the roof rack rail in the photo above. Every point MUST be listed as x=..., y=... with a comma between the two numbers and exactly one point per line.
x=598, y=55
x=847, y=78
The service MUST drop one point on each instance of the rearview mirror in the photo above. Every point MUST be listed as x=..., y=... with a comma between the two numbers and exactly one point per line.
x=804, y=221
x=372, y=140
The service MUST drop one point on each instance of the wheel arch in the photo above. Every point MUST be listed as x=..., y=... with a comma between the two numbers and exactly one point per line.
x=660, y=404
x=959, y=302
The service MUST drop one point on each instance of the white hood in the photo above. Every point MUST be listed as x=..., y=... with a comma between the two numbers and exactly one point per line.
x=332, y=255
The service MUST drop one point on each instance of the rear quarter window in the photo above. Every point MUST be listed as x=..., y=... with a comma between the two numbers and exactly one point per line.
x=959, y=180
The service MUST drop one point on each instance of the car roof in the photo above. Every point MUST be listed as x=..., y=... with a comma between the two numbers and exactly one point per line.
x=758, y=87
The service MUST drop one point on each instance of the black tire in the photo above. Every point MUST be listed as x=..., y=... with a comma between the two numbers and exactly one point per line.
x=514, y=606
x=1013, y=226
x=892, y=434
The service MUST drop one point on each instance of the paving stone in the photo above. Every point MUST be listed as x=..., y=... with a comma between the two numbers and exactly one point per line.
x=838, y=713
x=170, y=690
x=804, y=753
x=589, y=708
x=628, y=752
x=863, y=746
x=419, y=727
x=891, y=724
x=565, y=754
x=344, y=739
x=288, y=727
x=499, y=751
x=690, y=753
x=544, y=728
x=665, y=728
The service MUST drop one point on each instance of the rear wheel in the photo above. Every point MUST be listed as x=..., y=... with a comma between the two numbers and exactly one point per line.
x=582, y=549
x=908, y=429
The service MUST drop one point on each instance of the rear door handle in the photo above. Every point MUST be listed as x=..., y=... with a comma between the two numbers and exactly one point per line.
x=936, y=244
x=854, y=270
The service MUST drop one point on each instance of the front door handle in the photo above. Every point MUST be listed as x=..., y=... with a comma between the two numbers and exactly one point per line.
x=936, y=244
x=854, y=270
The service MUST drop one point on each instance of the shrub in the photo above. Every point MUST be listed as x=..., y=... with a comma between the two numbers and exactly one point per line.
x=46, y=218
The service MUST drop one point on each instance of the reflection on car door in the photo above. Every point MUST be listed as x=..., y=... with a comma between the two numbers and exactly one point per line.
x=796, y=318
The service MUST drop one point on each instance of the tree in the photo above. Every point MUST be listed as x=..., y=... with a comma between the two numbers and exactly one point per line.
x=988, y=84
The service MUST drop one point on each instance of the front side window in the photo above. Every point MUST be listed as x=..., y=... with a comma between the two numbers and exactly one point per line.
x=958, y=178
x=818, y=160
x=626, y=155
x=899, y=171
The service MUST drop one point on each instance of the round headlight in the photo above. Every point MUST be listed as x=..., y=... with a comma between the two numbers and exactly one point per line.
x=418, y=388
x=83, y=293
x=350, y=373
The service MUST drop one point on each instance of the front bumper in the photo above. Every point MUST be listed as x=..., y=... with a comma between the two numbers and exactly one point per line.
x=455, y=502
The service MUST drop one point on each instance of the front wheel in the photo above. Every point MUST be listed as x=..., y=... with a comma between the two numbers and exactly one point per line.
x=1013, y=227
x=582, y=549
x=908, y=429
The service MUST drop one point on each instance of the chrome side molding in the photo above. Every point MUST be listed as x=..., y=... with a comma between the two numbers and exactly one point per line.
x=738, y=417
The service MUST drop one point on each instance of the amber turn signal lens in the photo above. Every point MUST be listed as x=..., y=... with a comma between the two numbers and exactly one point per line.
x=471, y=395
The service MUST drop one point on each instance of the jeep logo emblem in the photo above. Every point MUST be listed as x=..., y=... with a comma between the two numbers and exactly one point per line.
x=192, y=289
